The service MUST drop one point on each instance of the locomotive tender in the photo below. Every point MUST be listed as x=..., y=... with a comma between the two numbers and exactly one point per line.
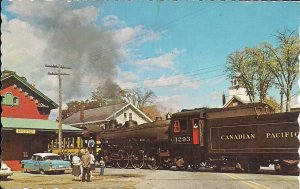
x=240, y=138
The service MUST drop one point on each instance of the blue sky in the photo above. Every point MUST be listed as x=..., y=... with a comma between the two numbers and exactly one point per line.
x=177, y=49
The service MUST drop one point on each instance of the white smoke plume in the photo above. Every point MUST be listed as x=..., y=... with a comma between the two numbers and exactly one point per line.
x=64, y=35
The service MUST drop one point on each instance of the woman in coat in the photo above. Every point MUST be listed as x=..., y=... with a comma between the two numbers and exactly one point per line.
x=76, y=170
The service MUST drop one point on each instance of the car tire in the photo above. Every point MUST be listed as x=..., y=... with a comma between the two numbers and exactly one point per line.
x=42, y=172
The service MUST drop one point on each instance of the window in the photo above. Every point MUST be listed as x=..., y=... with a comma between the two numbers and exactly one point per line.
x=2, y=100
x=195, y=123
x=176, y=127
x=38, y=158
x=125, y=116
x=183, y=124
x=130, y=116
x=16, y=101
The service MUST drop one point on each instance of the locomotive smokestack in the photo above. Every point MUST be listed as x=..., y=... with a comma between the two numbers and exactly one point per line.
x=81, y=112
x=223, y=99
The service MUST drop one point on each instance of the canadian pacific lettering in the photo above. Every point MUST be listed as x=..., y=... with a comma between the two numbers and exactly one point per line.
x=250, y=136
x=282, y=135
x=238, y=137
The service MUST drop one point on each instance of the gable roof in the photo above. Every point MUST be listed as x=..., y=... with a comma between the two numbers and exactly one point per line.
x=40, y=124
x=8, y=75
x=102, y=114
x=233, y=98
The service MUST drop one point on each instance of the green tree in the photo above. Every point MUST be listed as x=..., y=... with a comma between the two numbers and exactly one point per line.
x=273, y=103
x=263, y=77
x=240, y=65
x=284, y=65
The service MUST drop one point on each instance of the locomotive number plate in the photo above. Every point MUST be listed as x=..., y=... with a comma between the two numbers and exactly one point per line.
x=182, y=139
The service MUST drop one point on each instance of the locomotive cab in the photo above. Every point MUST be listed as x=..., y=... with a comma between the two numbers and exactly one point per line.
x=186, y=134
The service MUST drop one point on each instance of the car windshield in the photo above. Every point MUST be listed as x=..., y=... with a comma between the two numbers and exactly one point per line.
x=52, y=158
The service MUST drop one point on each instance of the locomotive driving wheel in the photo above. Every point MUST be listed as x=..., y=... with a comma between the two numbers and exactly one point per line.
x=137, y=158
x=254, y=167
x=123, y=159
x=195, y=166
x=204, y=164
x=166, y=163
x=181, y=163
x=153, y=161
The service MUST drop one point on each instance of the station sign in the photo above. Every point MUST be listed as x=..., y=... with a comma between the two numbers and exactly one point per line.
x=25, y=131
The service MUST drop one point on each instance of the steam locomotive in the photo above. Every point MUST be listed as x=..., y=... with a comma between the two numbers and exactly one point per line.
x=242, y=138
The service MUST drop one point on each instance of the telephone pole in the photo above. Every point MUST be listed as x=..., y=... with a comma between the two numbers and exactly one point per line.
x=59, y=74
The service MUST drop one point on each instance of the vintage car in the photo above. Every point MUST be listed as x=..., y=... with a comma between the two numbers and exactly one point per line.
x=5, y=171
x=45, y=163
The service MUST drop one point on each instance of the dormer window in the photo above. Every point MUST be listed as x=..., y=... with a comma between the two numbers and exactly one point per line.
x=16, y=101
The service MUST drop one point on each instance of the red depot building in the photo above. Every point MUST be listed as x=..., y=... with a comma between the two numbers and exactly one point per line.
x=25, y=125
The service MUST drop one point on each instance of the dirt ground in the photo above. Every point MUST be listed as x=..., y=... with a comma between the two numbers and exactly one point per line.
x=112, y=179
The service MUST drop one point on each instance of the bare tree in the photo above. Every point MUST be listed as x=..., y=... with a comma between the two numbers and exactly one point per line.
x=139, y=98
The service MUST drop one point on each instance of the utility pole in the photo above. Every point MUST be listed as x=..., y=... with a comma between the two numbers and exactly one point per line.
x=59, y=74
x=281, y=100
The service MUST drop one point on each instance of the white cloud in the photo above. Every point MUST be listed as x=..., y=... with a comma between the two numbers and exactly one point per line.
x=169, y=103
x=125, y=35
x=180, y=81
x=129, y=76
x=112, y=21
x=163, y=61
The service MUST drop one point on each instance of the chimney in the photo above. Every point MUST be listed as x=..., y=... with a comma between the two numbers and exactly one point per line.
x=223, y=99
x=158, y=118
x=81, y=112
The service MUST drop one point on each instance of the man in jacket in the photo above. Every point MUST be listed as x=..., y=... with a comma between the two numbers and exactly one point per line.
x=85, y=160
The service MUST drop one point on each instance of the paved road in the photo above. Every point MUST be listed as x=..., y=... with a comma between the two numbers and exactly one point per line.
x=211, y=180
x=157, y=179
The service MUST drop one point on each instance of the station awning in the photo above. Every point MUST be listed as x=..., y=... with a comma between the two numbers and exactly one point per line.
x=34, y=124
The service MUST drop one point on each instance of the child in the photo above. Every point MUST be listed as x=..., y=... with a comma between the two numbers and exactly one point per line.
x=102, y=165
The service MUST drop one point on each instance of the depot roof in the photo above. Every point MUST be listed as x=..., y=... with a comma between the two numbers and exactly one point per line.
x=38, y=124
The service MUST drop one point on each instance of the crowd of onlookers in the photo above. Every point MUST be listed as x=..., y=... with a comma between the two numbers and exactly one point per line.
x=84, y=163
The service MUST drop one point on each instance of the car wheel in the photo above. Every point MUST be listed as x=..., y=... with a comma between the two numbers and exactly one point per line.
x=42, y=171
x=4, y=178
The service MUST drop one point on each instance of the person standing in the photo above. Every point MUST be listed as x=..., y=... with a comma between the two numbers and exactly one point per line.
x=102, y=166
x=76, y=163
x=92, y=163
x=86, y=165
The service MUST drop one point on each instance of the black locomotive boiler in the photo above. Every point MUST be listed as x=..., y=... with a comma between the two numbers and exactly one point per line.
x=239, y=138
x=136, y=145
